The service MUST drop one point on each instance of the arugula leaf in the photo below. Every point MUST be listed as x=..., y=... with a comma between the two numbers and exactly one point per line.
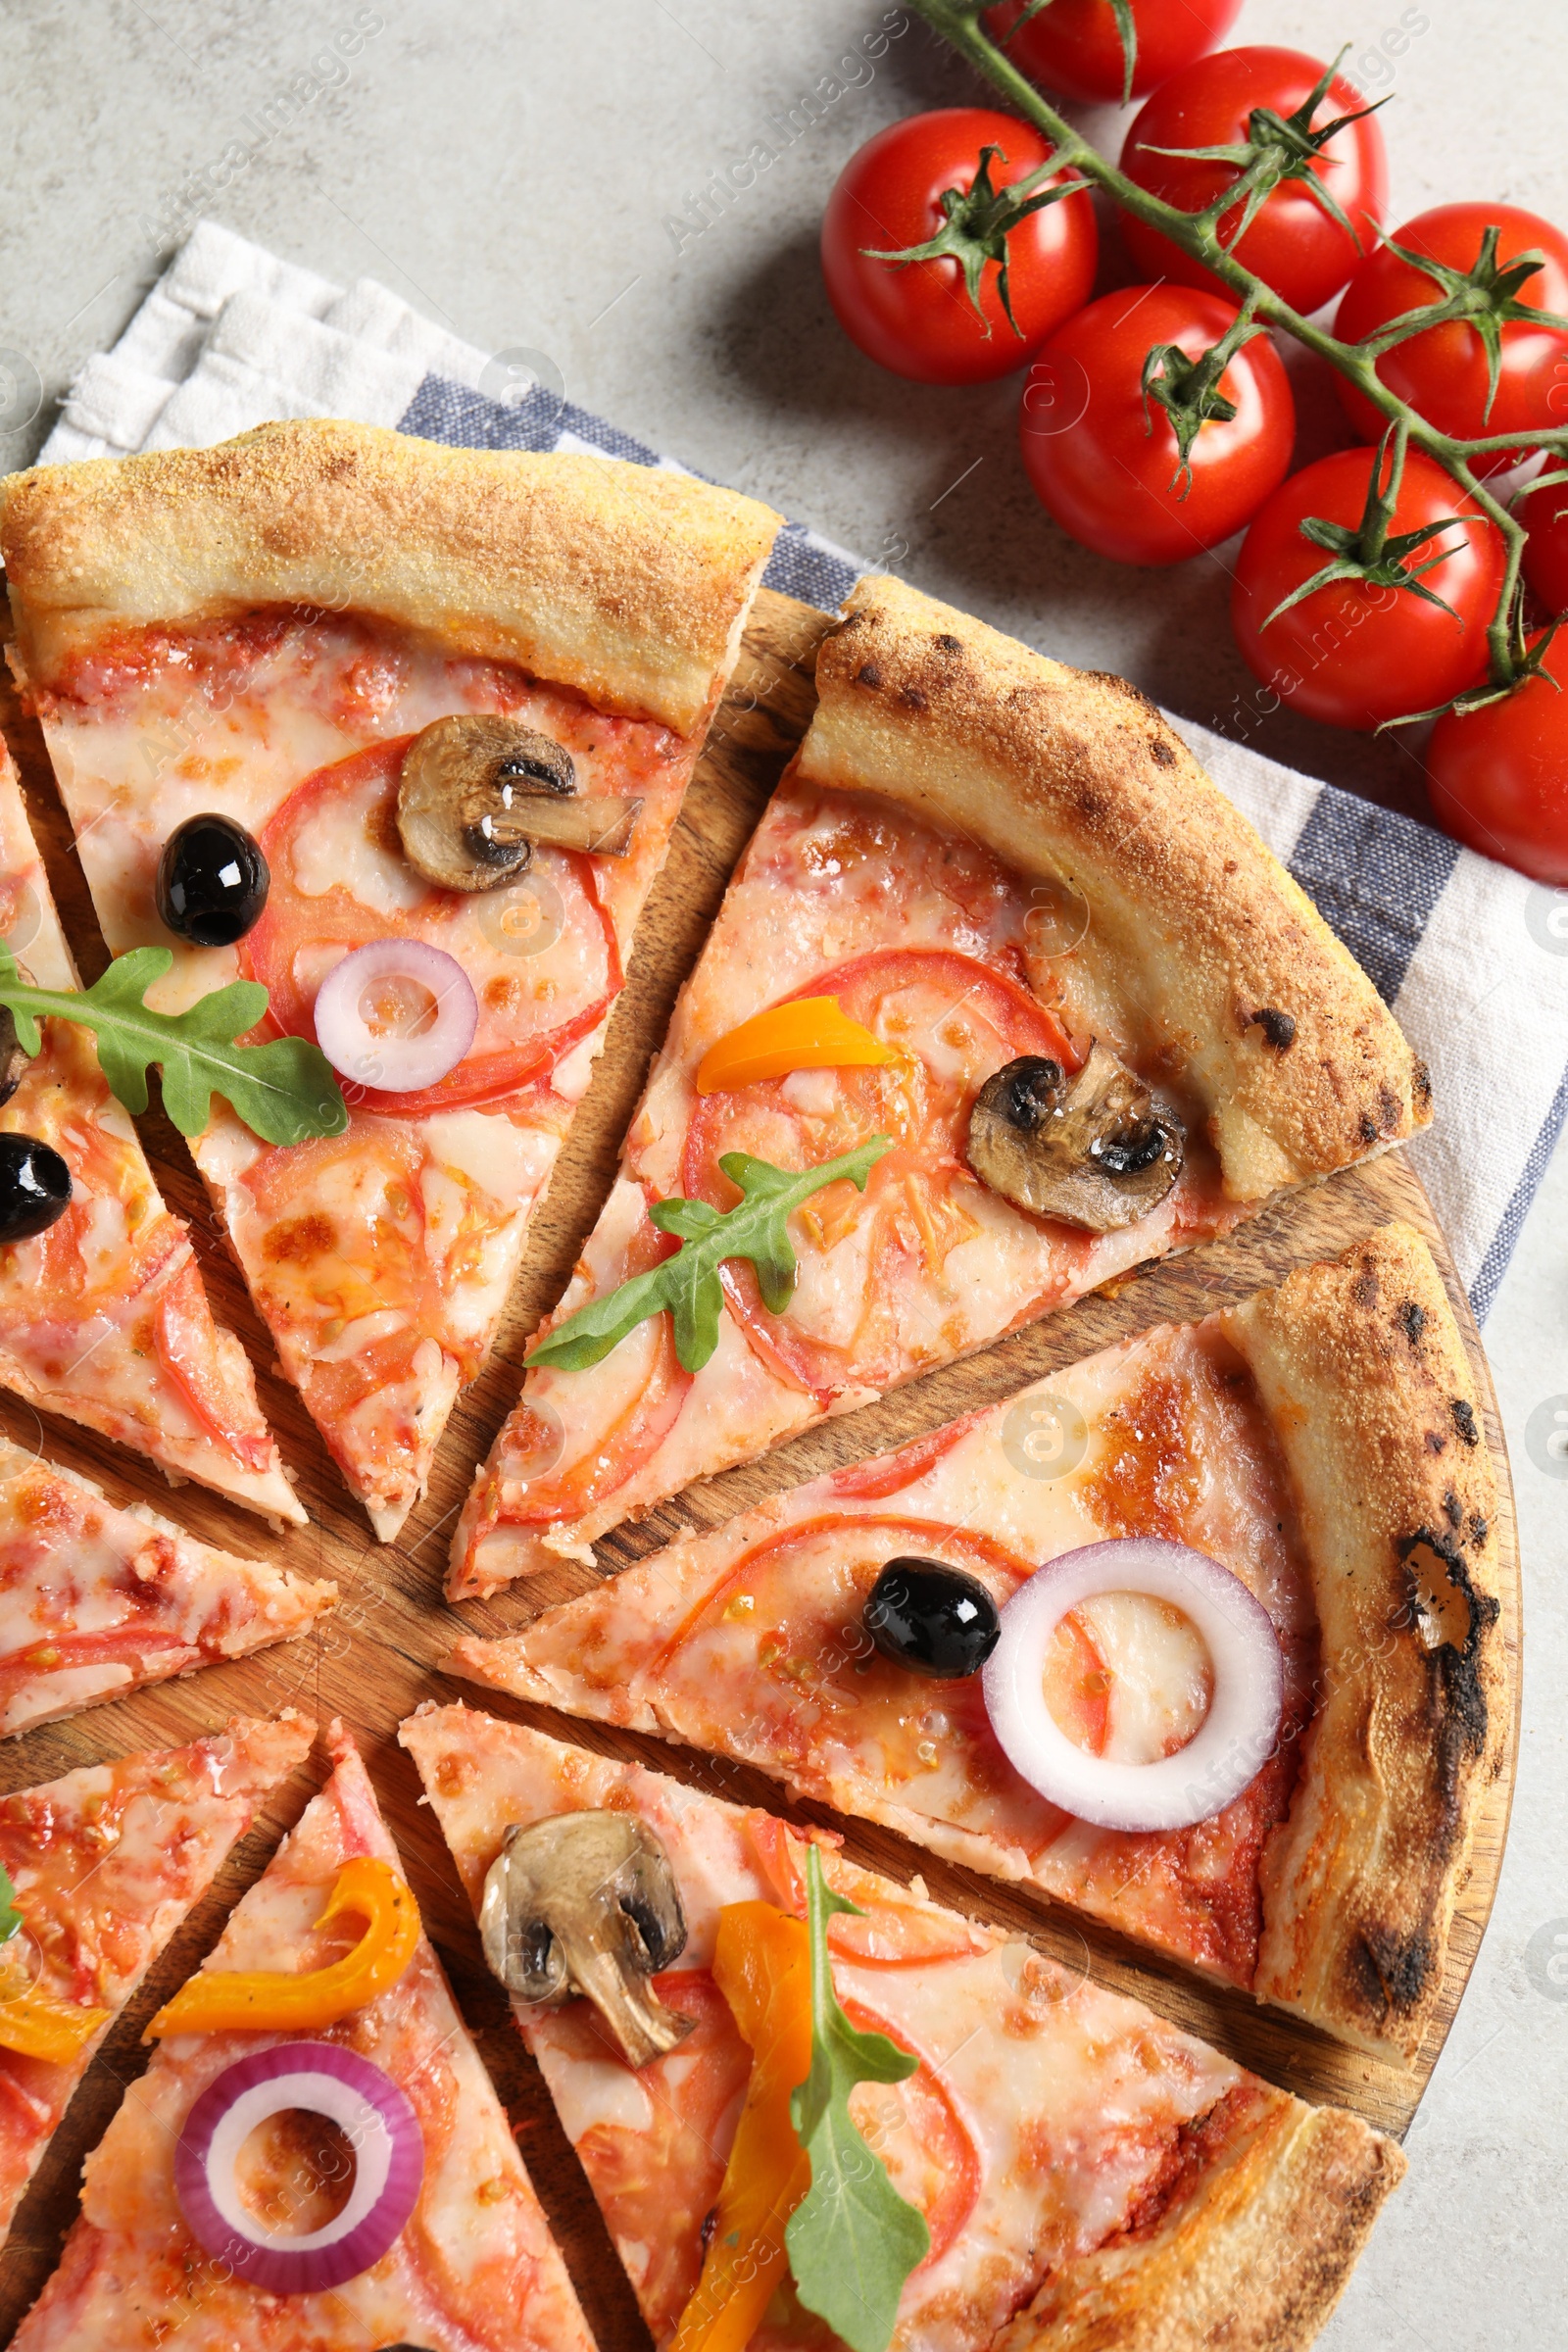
x=285, y=1090
x=10, y=1916
x=688, y=1283
x=852, y=2240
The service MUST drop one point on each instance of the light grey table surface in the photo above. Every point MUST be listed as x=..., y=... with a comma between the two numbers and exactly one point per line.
x=514, y=172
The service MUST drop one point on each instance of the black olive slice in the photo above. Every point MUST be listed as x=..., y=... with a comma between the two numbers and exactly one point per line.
x=212, y=881
x=933, y=1619
x=34, y=1187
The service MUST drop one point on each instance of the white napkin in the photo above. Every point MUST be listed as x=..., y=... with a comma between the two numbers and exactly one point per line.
x=1472, y=958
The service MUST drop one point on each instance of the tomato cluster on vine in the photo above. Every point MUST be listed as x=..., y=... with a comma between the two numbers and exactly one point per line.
x=1157, y=420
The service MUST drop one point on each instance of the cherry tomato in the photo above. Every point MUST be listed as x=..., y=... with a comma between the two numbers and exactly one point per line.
x=918, y=318
x=1108, y=471
x=1354, y=653
x=1296, y=247
x=1073, y=47
x=1442, y=373
x=1499, y=776
x=1545, y=516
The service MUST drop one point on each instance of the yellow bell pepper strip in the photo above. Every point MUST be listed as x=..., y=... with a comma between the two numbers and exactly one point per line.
x=762, y=1966
x=808, y=1033
x=38, y=2028
x=260, y=2001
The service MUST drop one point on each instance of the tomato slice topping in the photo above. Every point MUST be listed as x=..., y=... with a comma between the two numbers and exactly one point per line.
x=186, y=1338
x=890, y=1473
x=952, y=1021
x=920, y=2136
x=887, y=1932
x=541, y=953
x=582, y=1485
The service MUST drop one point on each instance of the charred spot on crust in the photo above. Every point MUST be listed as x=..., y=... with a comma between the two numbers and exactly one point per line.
x=1391, y=1969
x=947, y=644
x=1436, y=1440
x=1413, y=1320
x=1391, y=1110
x=869, y=675
x=1279, y=1028
x=1452, y=1620
x=1365, y=1293
x=911, y=698
x=1452, y=1508
x=1464, y=1420
x=1479, y=1532
x=1161, y=752
x=1367, y=1128
x=1421, y=1087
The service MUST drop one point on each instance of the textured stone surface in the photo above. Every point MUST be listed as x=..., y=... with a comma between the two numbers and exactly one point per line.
x=510, y=168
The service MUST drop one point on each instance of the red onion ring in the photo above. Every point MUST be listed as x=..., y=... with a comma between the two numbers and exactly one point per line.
x=374, y=2117
x=1229, y=1747
x=396, y=1065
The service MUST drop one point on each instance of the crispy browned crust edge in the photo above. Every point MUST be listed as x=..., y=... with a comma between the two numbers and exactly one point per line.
x=1074, y=774
x=626, y=582
x=1364, y=1377
x=1253, y=2258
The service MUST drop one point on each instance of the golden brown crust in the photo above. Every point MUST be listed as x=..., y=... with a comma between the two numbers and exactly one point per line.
x=1076, y=776
x=624, y=581
x=1254, y=2257
x=1363, y=1374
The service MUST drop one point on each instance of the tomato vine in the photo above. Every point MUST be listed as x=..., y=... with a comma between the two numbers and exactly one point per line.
x=1482, y=298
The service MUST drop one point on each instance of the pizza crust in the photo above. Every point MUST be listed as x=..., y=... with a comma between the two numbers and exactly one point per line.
x=625, y=582
x=1074, y=775
x=1364, y=1376
x=1255, y=2257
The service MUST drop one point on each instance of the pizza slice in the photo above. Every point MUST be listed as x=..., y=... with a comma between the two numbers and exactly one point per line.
x=1316, y=1451
x=103, y=1316
x=215, y=2208
x=1080, y=2172
x=103, y=1866
x=1001, y=948
x=330, y=642
x=96, y=1601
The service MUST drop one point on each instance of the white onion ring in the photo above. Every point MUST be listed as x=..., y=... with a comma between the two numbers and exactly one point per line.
x=373, y=2115
x=393, y=1064
x=1231, y=1745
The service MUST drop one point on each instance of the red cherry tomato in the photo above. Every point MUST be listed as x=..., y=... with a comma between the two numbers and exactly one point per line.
x=1073, y=47
x=1499, y=776
x=1296, y=247
x=1442, y=373
x=1108, y=471
x=917, y=318
x=1545, y=516
x=1351, y=652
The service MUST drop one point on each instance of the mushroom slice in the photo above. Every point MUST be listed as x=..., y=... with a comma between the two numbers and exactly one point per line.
x=587, y=1903
x=1096, y=1151
x=14, y=1059
x=476, y=792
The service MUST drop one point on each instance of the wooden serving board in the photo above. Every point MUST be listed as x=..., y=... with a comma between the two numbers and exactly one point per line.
x=381, y=1652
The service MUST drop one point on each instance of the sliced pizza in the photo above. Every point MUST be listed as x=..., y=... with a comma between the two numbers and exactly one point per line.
x=1001, y=957
x=1061, y=2168
x=103, y=1866
x=316, y=2156
x=103, y=1316
x=1312, y=1635
x=438, y=708
x=95, y=1601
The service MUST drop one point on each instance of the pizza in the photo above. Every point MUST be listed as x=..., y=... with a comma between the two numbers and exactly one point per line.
x=1322, y=1443
x=103, y=1316
x=1091, y=1020
x=95, y=1601
x=1087, y=2174
x=104, y=1865
x=262, y=634
x=472, y=2267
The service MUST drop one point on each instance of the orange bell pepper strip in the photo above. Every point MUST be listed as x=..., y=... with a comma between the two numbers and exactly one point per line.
x=39, y=2028
x=808, y=1033
x=260, y=2001
x=762, y=1966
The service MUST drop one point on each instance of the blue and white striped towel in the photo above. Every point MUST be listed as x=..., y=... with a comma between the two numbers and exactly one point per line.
x=1472, y=958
